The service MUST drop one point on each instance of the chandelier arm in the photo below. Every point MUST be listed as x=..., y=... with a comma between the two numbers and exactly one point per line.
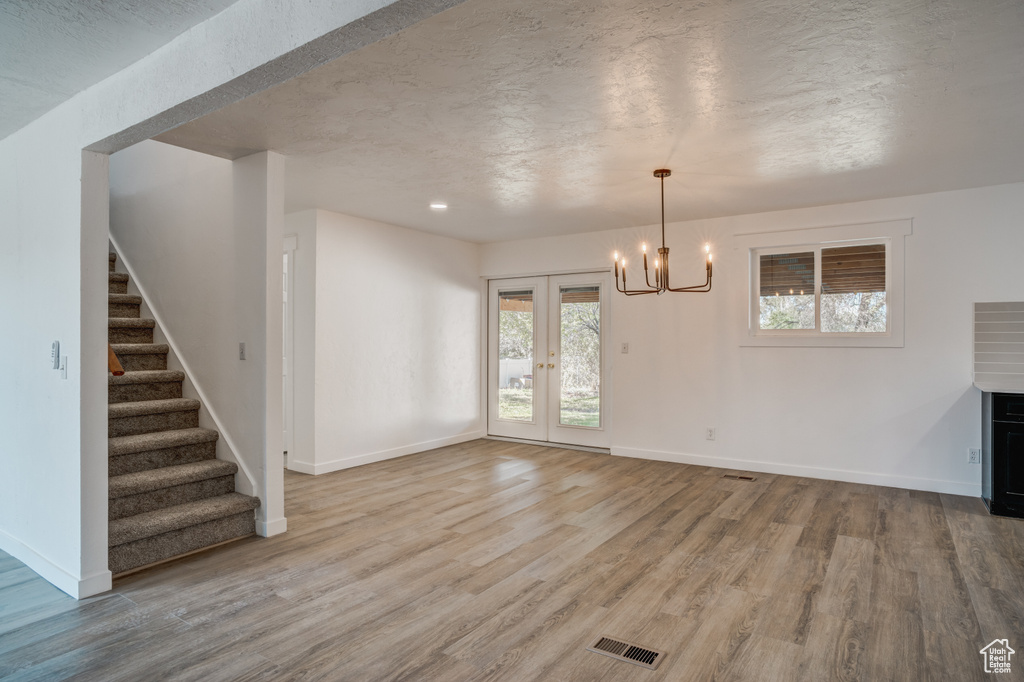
x=626, y=290
x=647, y=279
x=704, y=288
x=697, y=288
x=631, y=292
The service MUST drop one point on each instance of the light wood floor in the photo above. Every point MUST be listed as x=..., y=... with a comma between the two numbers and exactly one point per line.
x=500, y=561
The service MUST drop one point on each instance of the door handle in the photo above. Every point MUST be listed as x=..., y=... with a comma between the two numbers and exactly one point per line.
x=540, y=365
x=551, y=365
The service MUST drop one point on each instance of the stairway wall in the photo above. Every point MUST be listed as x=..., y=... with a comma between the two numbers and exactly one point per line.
x=184, y=222
x=216, y=209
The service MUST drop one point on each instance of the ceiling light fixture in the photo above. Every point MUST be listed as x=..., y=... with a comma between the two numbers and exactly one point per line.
x=661, y=281
x=438, y=205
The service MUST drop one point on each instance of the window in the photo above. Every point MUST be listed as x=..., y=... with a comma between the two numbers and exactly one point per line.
x=837, y=286
x=832, y=290
x=786, y=299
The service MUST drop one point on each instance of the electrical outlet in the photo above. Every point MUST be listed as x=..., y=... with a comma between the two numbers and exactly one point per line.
x=625, y=348
x=241, y=351
x=709, y=433
x=974, y=456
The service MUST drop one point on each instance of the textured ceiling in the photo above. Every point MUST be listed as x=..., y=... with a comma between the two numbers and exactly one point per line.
x=53, y=49
x=548, y=116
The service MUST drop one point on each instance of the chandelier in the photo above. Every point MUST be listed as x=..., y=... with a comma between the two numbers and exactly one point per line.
x=661, y=274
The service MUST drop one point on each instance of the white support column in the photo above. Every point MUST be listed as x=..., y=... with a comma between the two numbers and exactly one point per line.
x=273, y=519
x=94, y=577
x=259, y=226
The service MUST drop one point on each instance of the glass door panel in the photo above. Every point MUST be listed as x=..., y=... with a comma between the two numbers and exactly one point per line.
x=577, y=357
x=517, y=325
x=516, y=331
x=579, y=400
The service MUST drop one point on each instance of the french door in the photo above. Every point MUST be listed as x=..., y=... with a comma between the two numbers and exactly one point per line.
x=548, y=358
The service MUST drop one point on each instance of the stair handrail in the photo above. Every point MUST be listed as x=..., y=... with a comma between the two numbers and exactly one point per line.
x=113, y=364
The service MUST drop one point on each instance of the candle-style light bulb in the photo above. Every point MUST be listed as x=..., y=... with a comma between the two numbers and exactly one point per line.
x=616, y=256
x=707, y=248
x=644, y=246
x=709, y=257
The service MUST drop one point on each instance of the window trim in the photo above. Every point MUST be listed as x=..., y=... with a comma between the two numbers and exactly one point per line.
x=892, y=233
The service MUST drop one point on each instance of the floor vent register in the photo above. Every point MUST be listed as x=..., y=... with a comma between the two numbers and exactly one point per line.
x=625, y=651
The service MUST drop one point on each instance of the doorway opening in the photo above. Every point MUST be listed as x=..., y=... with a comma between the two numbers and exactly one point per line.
x=287, y=329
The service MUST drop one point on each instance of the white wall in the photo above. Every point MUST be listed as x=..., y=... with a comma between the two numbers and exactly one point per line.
x=890, y=416
x=396, y=341
x=48, y=517
x=52, y=449
x=192, y=229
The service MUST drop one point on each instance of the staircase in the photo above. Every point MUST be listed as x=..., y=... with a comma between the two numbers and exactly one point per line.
x=169, y=494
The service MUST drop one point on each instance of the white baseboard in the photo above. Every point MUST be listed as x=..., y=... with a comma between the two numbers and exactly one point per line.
x=272, y=527
x=97, y=583
x=910, y=482
x=79, y=588
x=301, y=467
x=380, y=456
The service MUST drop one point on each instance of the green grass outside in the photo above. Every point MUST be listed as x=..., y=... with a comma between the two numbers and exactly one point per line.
x=577, y=410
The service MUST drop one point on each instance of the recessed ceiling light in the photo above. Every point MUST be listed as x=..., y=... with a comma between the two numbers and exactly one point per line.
x=438, y=205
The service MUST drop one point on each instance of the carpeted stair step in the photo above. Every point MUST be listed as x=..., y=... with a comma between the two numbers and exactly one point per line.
x=146, y=491
x=155, y=536
x=130, y=330
x=112, y=258
x=117, y=282
x=138, y=357
x=149, y=416
x=123, y=305
x=128, y=454
x=136, y=386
